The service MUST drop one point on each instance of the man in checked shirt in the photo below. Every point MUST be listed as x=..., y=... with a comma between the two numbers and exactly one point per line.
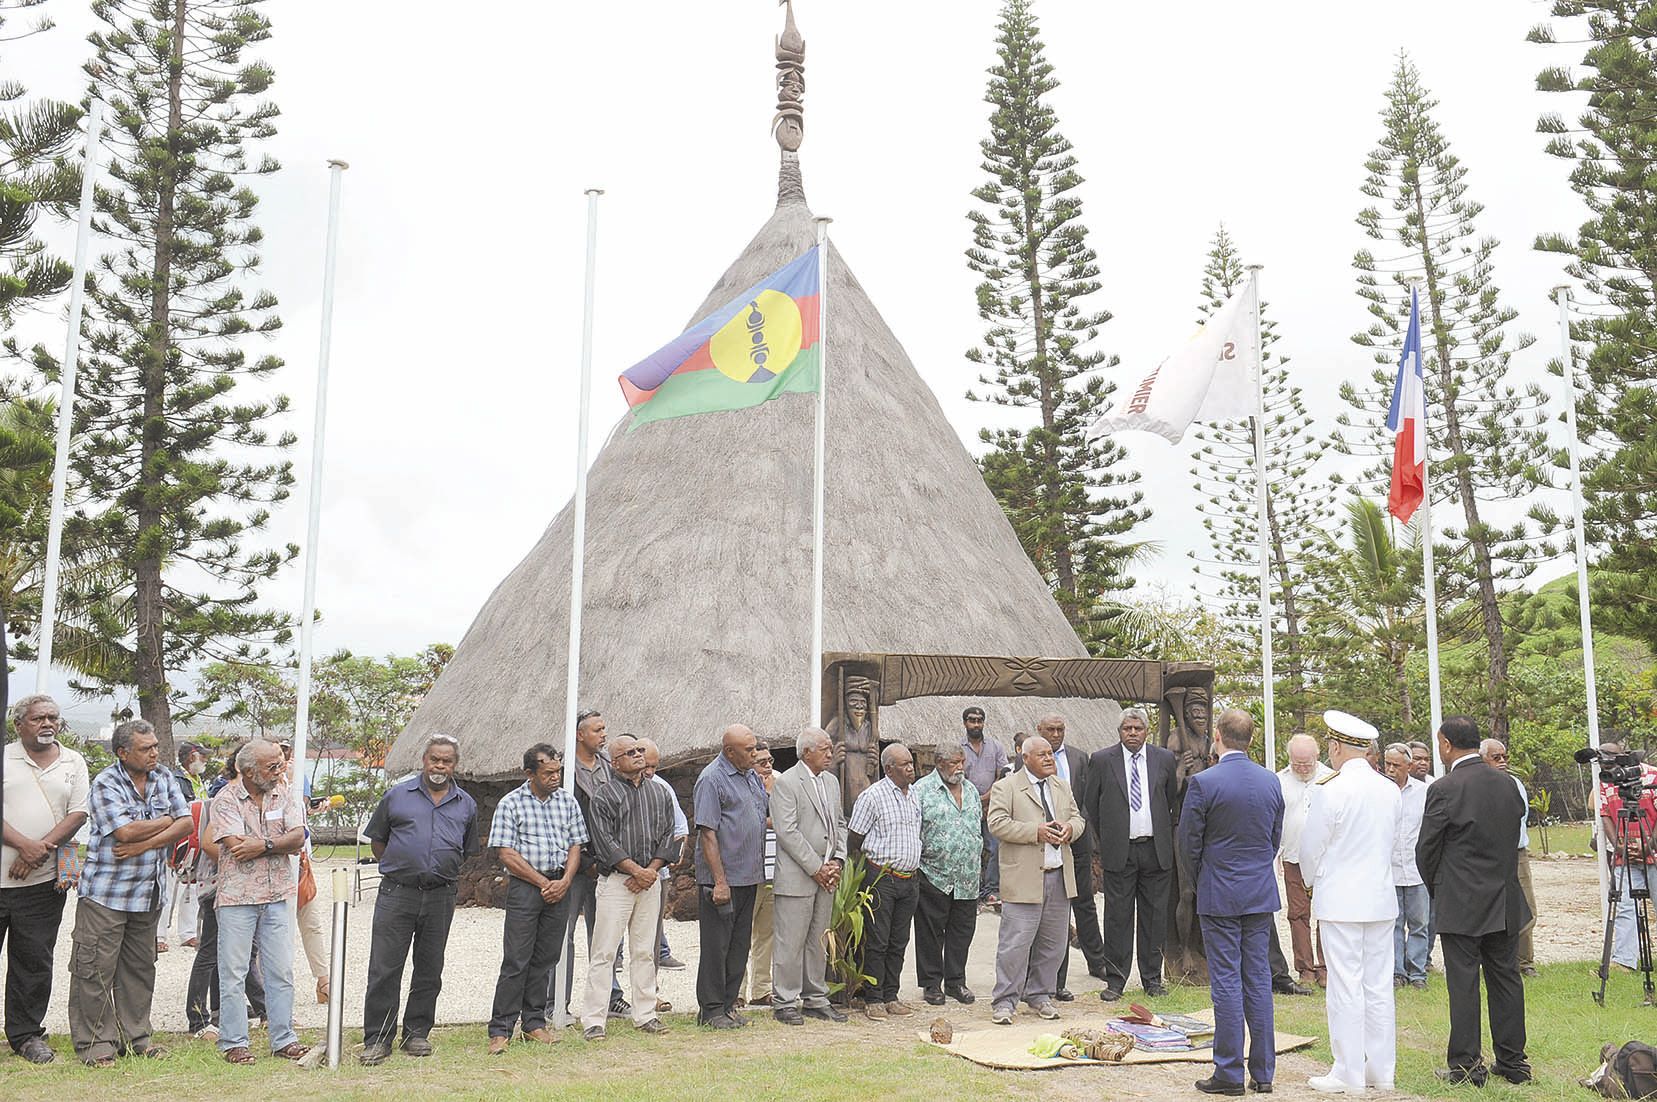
x=137, y=814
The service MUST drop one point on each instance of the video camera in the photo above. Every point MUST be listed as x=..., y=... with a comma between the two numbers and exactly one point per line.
x=1623, y=770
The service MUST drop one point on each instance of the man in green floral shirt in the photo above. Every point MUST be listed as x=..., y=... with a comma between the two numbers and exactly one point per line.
x=952, y=838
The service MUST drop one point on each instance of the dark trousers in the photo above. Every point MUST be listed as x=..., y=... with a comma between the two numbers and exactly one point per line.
x=1240, y=982
x=1279, y=963
x=886, y=937
x=1139, y=891
x=405, y=916
x=1086, y=915
x=727, y=935
x=582, y=903
x=944, y=927
x=201, y=998
x=1496, y=954
x=530, y=943
x=29, y=919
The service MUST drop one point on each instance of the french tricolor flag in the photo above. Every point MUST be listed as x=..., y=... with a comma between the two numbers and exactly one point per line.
x=1408, y=420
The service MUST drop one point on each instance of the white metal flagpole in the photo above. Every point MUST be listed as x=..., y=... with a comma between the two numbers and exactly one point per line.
x=572, y=677
x=1268, y=682
x=313, y=522
x=66, y=399
x=1589, y=675
x=1435, y=704
x=814, y=705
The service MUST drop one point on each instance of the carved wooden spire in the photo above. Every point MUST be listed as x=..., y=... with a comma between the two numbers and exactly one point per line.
x=788, y=125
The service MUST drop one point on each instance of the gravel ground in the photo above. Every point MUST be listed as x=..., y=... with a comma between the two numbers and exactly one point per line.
x=1567, y=929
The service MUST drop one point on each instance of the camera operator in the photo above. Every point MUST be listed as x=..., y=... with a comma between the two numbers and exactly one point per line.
x=1625, y=947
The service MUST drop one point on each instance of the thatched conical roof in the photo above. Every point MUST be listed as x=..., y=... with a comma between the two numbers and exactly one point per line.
x=697, y=604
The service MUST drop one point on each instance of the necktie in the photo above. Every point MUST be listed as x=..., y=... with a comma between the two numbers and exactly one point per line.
x=1135, y=796
x=1041, y=789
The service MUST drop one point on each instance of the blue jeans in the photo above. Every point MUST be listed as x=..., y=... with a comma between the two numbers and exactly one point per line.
x=1625, y=945
x=272, y=924
x=991, y=884
x=1410, y=946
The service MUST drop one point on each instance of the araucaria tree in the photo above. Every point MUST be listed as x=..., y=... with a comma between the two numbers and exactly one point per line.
x=1485, y=436
x=1067, y=497
x=1612, y=253
x=185, y=466
x=1297, y=510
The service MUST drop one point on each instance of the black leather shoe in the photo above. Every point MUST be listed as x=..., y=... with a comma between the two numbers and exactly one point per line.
x=36, y=1051
x=933, y=996
x=1212, y=1085
x=1063, y=995
x=1155, y=990
x=961, y=994
x=824, y=1013
x=1259, y=1088
x=372, y=1055
x=417, y=1046
x=1110, y=994
x=1290, y=987
x=1514, y=1075
x=1457, y=1076
x=788, y=1015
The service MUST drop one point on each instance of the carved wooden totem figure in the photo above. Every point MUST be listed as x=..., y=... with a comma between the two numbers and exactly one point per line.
x=1186, y=729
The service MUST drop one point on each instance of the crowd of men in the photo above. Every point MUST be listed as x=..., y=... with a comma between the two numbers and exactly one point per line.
x=1362, y=844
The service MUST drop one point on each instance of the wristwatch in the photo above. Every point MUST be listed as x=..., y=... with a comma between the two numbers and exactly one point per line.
x=269, y=846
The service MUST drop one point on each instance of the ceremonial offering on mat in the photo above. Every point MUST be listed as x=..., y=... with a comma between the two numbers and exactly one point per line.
x=1152, y=1038
x=1098, y=1044
x=1050, y=1046
x=942, y=1031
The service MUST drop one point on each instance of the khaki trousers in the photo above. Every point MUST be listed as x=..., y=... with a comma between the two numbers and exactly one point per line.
x=759, y=953
x=1526, y=949
x=622, y=911
x=111, y=979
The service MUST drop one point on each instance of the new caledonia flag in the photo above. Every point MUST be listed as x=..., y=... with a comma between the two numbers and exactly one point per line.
x=761, y=344
x=1408, y=420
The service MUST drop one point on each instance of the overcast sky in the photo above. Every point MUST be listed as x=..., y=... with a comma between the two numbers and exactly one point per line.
x=473, y=130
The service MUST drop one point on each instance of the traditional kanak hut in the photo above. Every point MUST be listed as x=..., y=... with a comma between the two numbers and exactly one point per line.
x=697, y=605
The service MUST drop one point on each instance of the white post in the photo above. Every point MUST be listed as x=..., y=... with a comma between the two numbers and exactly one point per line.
x=313, y=522
x=1589, y=674
x=1262, y=491
x=814, y=704
x=66, y=399
x=572, y=677
x=1435, y=704
x=336, y=967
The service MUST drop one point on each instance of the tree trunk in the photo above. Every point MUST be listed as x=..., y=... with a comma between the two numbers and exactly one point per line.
x=149, y=657
x=1403, y=686
x=1484, y=570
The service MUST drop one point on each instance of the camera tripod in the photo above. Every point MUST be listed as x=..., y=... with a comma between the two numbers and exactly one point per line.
x=1626, y=827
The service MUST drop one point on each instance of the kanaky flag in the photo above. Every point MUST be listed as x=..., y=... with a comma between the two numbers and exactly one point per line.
x=1212, y=377
x=760, y=345
x=1408, y=420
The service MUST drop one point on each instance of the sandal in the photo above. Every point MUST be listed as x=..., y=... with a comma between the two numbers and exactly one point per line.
x=151, y=1052
x=293, y=1051
x=238, y=1055
x=100, y=1062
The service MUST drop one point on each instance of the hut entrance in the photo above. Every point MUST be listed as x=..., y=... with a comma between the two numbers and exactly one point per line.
x=857, y=685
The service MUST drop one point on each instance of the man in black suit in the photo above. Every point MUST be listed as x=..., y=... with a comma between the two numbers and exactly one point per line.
x=1465, y=854
x=1132, y=803
x=1072, y=765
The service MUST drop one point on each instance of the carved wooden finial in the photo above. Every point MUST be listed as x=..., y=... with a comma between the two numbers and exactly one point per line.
x=788, y=126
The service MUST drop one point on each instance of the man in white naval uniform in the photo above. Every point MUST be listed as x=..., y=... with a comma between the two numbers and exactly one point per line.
x=1346, y=854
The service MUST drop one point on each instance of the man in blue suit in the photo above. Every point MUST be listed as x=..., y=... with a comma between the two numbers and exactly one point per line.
x=1229, y=831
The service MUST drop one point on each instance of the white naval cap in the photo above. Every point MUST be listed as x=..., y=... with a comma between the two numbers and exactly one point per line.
x=1347, y=728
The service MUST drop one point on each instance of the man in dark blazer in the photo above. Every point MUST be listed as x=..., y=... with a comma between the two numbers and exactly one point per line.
x=1229, y=831
x=1465, y=854
x=1132, y=803
x=1072, y=765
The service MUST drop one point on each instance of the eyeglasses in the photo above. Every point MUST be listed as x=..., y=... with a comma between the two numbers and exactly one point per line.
x=631, y=751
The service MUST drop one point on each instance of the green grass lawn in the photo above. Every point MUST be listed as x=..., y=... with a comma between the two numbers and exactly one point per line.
x=1563, y=838
x=769, y=1061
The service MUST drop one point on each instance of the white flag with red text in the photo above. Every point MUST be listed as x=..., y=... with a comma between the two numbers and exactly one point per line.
x=1210, y=378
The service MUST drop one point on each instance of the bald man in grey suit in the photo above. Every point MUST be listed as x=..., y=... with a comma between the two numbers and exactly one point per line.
x=810, y=823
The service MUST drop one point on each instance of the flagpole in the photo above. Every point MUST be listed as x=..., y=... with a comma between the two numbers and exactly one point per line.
x=1262, y=491
x=66, y=399
x=1434, y=702
x=313, y=523
x=572, y=677
x=814, y=704
x=1589, y=674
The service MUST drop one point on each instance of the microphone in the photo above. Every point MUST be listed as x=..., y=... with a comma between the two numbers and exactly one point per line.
x=335, y=802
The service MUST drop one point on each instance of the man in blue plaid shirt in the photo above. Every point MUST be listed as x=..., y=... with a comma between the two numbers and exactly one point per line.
x=537, y=830
x=137, y=813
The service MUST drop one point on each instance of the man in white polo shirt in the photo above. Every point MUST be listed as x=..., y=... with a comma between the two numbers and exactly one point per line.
x=44, y=804
x=1303, y=771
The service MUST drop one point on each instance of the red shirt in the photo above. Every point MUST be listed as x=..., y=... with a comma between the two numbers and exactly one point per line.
x=1611, y=802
